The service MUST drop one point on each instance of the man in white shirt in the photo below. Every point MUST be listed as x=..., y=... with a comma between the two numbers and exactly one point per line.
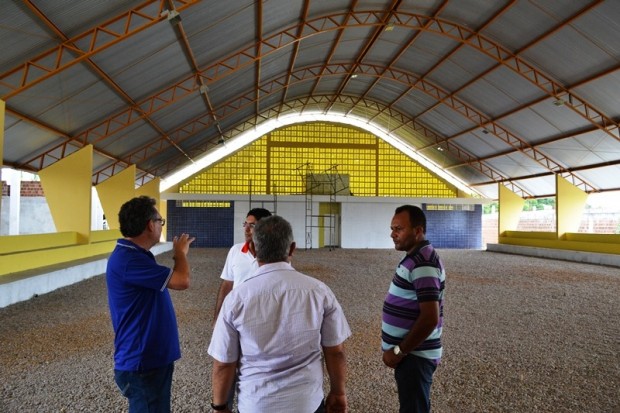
x=240, y=262
x=275, y=327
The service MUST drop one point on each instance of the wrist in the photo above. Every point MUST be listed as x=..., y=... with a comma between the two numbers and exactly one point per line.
x=398, y=351
x=219, y=407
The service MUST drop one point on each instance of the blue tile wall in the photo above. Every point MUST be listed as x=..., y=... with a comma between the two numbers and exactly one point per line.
x=212, y=227
x=454, y=229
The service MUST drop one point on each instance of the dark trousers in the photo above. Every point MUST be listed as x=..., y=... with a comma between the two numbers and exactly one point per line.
x=321, y=408
x=147, y=391
x=414, y=376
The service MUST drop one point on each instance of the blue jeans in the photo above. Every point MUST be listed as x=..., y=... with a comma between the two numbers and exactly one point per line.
x=414, y=376
x=147, y=391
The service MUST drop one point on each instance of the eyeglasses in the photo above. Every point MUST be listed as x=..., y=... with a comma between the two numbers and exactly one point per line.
x=162, y=220
x=248, y=224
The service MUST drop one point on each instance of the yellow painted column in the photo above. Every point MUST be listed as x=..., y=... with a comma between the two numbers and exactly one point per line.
x=67, y=185
x=114, y=192
x=510, y=207
x=2, y=114
x=570, y=203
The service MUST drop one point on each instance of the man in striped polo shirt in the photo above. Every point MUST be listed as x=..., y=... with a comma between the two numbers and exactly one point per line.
x=413, y=312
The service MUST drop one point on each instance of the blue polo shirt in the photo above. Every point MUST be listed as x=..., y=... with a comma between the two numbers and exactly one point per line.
x=145, y=326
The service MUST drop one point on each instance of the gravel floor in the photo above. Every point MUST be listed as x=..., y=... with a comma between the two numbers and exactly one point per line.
x=521, y=335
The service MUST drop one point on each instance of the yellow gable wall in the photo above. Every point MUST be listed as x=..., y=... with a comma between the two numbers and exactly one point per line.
x=67, y=186
x=114, y=192
x=279, y=162
x=2, y=110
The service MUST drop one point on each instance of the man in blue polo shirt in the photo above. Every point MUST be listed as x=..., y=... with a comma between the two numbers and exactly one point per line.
x=146, y=342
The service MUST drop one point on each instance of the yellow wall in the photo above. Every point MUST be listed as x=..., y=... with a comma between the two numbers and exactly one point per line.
x=114, y=192
x=278, y=164
x=2, y=114
x=570, y=204
x=510, y=207
x=67, y=185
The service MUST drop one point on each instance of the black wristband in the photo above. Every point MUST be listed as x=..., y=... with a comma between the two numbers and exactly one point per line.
x=218, y=407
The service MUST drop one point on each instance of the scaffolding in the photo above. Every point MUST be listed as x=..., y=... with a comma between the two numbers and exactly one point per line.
x=329, y=182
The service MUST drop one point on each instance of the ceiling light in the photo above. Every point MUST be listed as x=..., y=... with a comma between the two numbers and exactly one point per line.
x=558, y=102
x=389, y=27
x=174, y=17
x=221, y=141
x=354, y=75
x=485, y=131
x=440, y=149
x=204, y=89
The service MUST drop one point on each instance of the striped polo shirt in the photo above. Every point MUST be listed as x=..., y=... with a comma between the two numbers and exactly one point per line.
x=419, y=277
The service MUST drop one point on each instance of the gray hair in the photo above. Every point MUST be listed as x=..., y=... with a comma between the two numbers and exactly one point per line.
x=272, y=238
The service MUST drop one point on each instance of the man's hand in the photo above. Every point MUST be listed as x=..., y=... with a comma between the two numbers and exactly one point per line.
x=180, y=272
x=181, y=244
x=390, y=359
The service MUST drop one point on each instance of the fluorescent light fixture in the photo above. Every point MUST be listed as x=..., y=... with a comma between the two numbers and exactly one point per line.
x=235, y=143
x=174, y=17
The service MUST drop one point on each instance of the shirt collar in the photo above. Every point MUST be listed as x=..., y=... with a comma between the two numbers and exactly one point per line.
x=246, y=248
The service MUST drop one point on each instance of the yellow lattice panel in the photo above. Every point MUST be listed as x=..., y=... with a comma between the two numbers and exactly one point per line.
x=279, y=162
x=233, y=175
x=401, y=176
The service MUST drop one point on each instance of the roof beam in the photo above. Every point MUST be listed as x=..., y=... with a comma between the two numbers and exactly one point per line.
x=104, y=76
x=334, y=45
x=257, y=65
x=369, y=44
x=544, y=174
x=291, y=64
x=99, y=38
x=394, y=59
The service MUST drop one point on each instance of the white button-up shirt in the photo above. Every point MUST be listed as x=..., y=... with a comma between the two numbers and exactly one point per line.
x=275, y=324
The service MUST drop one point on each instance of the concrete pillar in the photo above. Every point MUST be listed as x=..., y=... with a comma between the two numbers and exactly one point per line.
x=14, y=180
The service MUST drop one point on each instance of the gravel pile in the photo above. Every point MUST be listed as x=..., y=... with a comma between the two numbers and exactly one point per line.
x=521, y=335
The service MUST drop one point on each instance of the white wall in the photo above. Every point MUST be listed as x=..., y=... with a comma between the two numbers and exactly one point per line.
x=34, y=216
x=367, y=224
x=293, y=210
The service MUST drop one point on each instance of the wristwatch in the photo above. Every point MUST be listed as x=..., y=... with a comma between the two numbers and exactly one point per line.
x=397, y=350
x=218, y=407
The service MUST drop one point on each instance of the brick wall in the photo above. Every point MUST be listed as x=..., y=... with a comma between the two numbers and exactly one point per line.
x=544, y=221
x=28, y=189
